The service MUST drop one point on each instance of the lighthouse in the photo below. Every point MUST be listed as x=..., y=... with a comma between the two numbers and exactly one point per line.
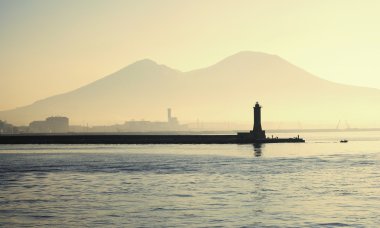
x=257, y=135
x=257, y=131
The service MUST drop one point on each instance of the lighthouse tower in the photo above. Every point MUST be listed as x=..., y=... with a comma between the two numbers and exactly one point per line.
x=257, y=131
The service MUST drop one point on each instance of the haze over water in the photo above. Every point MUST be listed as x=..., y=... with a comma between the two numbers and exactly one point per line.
x=319, y=183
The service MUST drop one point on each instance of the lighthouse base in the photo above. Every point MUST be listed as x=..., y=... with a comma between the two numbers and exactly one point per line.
x=252, y=135
x=258, y=134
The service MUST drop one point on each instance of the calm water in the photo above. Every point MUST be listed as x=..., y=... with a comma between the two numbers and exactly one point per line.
x=319, y=183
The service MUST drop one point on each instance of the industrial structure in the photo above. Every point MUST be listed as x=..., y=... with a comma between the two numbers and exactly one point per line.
x=172, y=124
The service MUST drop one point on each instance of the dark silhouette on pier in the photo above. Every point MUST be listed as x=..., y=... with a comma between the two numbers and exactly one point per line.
x=257, y=129
x=257, y=135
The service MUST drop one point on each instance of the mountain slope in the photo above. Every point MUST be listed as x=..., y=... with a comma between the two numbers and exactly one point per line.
x=225, y=91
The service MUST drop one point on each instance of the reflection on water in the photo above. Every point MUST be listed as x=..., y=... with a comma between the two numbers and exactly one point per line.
x=319, y=183
x=257, y=148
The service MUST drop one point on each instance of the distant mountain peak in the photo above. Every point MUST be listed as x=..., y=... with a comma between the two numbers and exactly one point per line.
x=148, y=64
x=144, y=63
x=250, y=56
x=248, y=59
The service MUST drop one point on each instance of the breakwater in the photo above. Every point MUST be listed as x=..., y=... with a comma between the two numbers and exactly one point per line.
x=139, y=139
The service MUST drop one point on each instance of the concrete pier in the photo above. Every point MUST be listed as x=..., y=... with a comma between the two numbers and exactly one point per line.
x=138, y=139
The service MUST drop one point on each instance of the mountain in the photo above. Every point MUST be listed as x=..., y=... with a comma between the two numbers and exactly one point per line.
x=225, y=91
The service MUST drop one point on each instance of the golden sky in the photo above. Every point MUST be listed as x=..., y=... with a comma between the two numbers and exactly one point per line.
x=52, y=47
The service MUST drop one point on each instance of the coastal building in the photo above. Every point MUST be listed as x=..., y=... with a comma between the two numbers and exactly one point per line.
x=6, y=128
x=54, y=124
x=38, y=126
x=58, y=124
x=139, y=126
x=172, y=124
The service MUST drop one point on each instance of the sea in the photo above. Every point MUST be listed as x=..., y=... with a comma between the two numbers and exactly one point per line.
x=320, y=183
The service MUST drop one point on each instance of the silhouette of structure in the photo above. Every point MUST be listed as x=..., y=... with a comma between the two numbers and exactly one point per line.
x=6, y=128
x=172, y=120
x=257, y=131
x=54, y=124
x=257, y=135
x=171, y=124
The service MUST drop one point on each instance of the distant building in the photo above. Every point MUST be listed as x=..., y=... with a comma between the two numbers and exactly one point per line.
x=172, y=124
x=39, y=126
x=171, y=120
x=55, y=124
x=6, y=128
x=58, y=124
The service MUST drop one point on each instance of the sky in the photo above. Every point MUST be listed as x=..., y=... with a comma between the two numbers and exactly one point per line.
x=49, y=47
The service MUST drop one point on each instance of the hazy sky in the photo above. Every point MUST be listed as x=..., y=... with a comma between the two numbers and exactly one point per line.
x=49, y=47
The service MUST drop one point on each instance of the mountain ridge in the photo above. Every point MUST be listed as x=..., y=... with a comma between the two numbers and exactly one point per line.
x=223, y=91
